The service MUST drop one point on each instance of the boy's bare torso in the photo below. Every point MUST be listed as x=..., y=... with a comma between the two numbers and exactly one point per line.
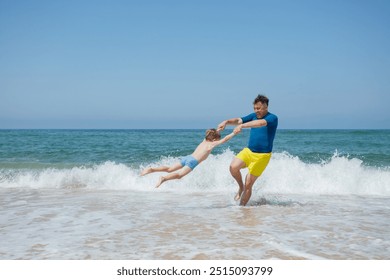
x=203, y=150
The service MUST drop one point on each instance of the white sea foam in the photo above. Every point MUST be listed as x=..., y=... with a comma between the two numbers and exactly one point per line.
x=339, y=175
x=285, y=174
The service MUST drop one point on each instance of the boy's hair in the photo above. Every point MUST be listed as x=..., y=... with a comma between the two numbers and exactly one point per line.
x=212, y=134
x=261, y=98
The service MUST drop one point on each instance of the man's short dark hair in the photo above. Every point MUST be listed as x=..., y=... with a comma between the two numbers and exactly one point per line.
x=261, y=98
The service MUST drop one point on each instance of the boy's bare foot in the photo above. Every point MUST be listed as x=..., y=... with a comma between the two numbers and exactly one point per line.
x=162, y=180
x=146, y=171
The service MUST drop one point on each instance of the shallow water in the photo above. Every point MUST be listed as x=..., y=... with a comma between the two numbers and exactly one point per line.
x=164, y=224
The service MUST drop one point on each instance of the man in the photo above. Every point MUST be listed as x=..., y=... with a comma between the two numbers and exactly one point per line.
x=256, y=156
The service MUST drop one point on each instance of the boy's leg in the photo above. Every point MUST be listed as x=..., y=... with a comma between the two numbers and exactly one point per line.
x=177, y=175
x=171, y=168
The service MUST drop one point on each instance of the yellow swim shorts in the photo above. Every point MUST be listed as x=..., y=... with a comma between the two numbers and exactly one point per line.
x=256, y=162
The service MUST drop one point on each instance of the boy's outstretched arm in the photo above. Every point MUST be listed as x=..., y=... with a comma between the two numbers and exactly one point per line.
x=223, y=140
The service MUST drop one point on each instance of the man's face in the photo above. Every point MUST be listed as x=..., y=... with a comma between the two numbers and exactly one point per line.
x=260, y=109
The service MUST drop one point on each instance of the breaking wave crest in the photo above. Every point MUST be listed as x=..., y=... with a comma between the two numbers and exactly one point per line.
x=285, y=174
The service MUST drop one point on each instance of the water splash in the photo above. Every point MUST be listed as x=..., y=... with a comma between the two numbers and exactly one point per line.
x=288, y=174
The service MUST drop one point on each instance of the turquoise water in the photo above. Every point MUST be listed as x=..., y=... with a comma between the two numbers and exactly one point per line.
x=371, y=146
x=40, y=148
x=77, y=194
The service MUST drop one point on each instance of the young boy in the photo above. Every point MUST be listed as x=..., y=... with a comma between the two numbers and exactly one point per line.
x=188, y=163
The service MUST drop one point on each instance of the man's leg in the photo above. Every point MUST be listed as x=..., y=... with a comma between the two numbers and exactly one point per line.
x=256, y=168
x=235, y=166
x=246, y=195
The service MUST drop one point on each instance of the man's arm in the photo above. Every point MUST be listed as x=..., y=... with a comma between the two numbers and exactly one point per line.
x=234, y=121
x=255, y=123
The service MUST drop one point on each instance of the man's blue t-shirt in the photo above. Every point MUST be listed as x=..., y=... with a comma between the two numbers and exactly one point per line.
x=261, y=139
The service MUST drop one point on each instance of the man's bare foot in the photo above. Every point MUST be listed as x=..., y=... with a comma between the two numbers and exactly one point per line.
x=146, y=171
x=238, y=195
x=162, y=180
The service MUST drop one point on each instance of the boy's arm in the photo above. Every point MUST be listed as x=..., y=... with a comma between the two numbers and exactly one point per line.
x=223, y=140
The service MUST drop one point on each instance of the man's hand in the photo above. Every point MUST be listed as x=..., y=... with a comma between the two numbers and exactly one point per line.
x=237, y=129
x=221, y=126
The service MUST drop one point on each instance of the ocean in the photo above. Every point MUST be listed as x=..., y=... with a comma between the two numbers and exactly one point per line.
x=77, y=194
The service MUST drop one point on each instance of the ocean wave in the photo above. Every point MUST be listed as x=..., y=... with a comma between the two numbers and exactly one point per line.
x=339, y=175
x=287, y=174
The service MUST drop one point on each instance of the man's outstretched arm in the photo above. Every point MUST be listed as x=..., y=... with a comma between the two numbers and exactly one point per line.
x=234, y=121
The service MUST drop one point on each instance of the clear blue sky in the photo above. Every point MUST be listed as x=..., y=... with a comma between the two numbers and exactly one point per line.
x=192, y=64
